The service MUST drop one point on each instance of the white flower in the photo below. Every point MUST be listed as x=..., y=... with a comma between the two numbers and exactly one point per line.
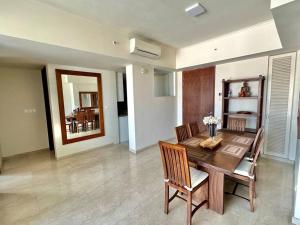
x=208, y=120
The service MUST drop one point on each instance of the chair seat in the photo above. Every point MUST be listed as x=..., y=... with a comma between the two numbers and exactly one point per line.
x=244, y=168
x=248, y=157
x=197, y=176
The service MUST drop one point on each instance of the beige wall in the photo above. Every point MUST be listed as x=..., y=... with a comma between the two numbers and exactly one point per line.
x=239, y=70
x=251, y=40
x=109, y=91
x=38, y=22
x=21, y=90
x=150, y=118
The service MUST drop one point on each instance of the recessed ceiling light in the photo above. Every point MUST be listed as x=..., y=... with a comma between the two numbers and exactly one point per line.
x=195, y=10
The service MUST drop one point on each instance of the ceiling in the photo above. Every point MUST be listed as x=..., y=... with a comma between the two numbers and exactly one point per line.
x=23, y=53
x=165, y=20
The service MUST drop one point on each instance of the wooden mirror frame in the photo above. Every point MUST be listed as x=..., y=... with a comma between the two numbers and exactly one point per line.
x=59, y=74
x=80, y=99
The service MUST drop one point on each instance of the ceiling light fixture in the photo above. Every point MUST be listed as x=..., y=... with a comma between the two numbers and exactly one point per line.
x=195, y=10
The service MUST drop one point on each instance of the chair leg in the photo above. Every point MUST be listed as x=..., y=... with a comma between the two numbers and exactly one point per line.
x=166, y=210
x=189, y=208
x=251, y=194
x=254, y=189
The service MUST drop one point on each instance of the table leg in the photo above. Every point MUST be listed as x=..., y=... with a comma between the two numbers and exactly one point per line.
x=216, y=191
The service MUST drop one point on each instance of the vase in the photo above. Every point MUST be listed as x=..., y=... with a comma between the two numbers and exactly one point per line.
x=212, y=130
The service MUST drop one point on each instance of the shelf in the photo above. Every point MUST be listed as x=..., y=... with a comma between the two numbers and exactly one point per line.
x=245, y=80
x=233, y=104
x=254, y=114
x=244, y=98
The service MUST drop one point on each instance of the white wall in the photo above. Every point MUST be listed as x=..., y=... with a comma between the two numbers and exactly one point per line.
x=179, y=98
x=296, y=216
x=110, y=112
x=251, y=40
x=294, y=130
x=150, y=118
x=38, y=22
x=294, y=141
x=21, y=89
x=235, y=70
x=238, y=70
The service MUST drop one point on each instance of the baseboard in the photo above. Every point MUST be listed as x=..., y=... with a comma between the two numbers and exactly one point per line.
x=295, y=221
x=24, y=153
x=141, y=149
x=82, y=152
x=277, y=159
x=135, y=151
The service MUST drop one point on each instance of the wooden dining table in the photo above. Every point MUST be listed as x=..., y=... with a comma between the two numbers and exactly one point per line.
x=221, y=161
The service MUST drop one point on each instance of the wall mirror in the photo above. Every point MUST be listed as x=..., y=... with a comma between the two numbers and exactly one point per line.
x=80, y=105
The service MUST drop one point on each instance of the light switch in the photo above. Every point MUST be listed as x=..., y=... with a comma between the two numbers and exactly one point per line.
x=25, y=110
x=34, y=110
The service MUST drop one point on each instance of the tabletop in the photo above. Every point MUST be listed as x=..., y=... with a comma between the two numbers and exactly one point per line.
x=225, y=157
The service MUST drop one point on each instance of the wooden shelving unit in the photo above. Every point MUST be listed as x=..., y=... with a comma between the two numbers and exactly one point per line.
x=259, y=98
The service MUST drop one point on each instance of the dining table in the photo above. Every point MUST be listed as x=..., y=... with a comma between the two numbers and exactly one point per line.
x=218, y=162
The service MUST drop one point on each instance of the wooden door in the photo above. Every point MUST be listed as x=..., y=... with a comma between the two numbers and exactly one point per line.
x=198, y=94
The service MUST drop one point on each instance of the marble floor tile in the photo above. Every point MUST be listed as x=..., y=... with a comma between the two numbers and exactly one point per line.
x=113, y=186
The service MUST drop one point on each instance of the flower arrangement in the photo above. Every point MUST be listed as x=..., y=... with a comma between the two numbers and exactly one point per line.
x=211, y=122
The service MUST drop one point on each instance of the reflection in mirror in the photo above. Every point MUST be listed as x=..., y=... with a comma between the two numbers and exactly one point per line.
x=82, y=105
x=88, y=99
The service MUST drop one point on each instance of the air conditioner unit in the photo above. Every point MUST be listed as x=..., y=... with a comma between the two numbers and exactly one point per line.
x=144, y=48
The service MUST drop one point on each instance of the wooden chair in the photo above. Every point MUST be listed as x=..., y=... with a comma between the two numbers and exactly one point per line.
x=178, y=175
x=69, y=128
x=250, y=155
x=80, y=121
x=236, y=124
x=182, y=133
x=90, y=119
x=246, y=173
x=194, y=128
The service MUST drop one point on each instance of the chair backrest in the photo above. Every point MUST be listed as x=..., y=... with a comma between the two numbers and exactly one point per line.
x=236, y=124
x=194, y=128
x=256, y=142
x=259, y=149
x=80, y=116
x=90, y=115
x=175, y=164
x=182, y=133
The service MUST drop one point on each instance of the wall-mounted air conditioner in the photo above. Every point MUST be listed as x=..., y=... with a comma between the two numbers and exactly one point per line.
x=144, y=48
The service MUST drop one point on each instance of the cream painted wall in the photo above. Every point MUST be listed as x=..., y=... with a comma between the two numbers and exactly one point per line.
x=237, y=70
x=296, y=215
x=179, y=98
x=21, y=132
x=294, y=141
x=150, y=118
x=251, y=40
x=277, y=3
x=293, y=134
x=110, y=112
x=38, y=22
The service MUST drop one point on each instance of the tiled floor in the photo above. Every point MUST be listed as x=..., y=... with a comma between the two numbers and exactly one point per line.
x=113, y=186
